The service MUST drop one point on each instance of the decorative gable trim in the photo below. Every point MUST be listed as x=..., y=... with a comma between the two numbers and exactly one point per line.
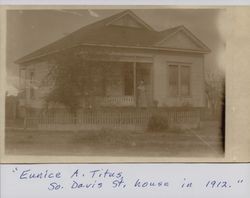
x=202, y=47
x=134, y=17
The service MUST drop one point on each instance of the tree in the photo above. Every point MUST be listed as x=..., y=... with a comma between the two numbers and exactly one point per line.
x=71, y=76
x=215, y=90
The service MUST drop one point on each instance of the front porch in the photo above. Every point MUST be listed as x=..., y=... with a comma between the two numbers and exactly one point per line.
x=119, y=84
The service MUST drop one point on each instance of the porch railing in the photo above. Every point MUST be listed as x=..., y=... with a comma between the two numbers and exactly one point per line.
x=116, y=101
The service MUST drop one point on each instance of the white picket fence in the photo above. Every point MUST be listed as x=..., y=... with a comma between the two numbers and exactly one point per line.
x=111, y=118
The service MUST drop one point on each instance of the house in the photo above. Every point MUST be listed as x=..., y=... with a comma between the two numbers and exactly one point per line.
x=152, y=68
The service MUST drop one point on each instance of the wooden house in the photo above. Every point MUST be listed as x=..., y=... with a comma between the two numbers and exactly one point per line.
x=152, y=68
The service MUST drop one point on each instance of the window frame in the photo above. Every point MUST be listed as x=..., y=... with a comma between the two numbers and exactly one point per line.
x=176, y=94
x=180, y=80
x=179, y=65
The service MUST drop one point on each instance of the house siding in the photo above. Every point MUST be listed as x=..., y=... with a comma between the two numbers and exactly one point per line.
x=161, y=84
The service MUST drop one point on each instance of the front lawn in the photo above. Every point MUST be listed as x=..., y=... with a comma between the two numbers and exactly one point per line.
x=206, y=141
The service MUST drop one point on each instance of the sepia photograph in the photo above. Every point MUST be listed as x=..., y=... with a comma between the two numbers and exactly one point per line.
x=115, y=82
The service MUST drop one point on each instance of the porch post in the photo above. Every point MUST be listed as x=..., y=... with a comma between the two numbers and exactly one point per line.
x=19, y=77
x=135, y=87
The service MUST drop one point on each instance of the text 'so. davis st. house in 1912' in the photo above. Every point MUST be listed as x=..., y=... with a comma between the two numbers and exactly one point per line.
x=145, y=72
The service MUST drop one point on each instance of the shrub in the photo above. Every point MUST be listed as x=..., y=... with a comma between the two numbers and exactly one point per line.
x=157, y=123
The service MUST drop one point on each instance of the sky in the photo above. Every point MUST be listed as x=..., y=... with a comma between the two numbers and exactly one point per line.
x=29, y=30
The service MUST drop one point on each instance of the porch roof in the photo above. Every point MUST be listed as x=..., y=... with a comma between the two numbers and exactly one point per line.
x=102, y=33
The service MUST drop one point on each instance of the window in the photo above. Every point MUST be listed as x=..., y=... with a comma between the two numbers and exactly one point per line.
x=185, y=81
x=179, y=80
x=173, y=80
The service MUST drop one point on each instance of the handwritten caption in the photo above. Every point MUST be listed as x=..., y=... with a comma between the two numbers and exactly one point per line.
x=108, y=178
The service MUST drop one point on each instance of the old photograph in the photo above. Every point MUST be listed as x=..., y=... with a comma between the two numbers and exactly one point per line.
x=114, y=82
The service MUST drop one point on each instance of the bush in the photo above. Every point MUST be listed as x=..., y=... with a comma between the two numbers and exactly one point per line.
x=157, y=123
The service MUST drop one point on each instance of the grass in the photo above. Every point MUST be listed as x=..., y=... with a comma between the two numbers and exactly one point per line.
x=105, y=142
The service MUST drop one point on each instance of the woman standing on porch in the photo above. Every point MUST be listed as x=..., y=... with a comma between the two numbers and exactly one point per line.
x=142, y=95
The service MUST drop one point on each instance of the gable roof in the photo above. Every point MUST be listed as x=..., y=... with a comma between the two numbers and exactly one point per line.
x=133, y=17
x=170, y=34
x=107, y=33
